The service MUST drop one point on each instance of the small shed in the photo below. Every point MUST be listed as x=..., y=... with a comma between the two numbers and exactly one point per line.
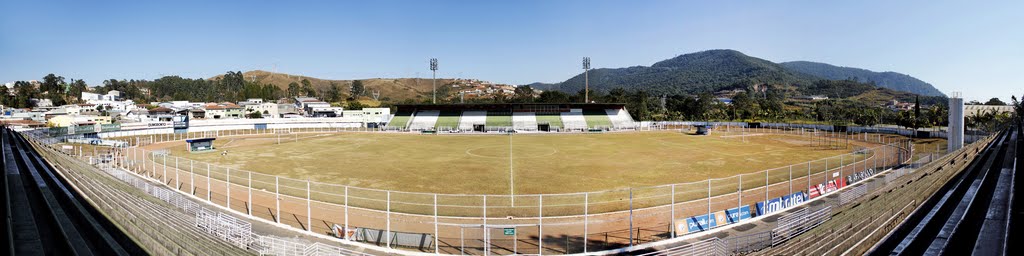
x=200, y=145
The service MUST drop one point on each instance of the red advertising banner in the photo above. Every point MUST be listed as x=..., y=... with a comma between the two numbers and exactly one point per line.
x=825, y=188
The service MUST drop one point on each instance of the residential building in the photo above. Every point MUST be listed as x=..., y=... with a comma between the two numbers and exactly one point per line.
x=266, y=109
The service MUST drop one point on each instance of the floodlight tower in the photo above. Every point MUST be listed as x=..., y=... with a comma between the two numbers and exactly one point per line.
x=433, y=68
x=586, y=80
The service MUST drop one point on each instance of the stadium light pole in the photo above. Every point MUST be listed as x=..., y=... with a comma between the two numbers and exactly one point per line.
x=586, y=79
x=433, y=81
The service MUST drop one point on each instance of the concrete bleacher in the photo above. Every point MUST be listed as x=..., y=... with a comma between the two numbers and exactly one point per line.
x=469, y=118
x=498, y=119
x=553, y=120
x=597, y=118
x=400, y=120
x=620, y=118
x=524, y=121
x=424, y=120
x=164, y=228
x=574, y=120
x=448, y=120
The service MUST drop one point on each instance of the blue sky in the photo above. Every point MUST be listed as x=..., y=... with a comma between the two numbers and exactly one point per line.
x=970, y=46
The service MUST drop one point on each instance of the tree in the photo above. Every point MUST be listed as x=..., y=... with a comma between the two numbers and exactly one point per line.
x=524, y=93
x=77, y=87
x=307, y=88
x=23, y=93
x=333, y=93
x=357, y=89
x=743, y=105
x=995, y=102
x=553, y=97
x=917, y=112
x=293, y=89
x=52, y=83
x=353, y=105
x=254, y=114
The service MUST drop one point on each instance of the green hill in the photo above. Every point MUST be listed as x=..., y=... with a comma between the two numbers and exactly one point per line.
x=710, y=70
x=891, y=80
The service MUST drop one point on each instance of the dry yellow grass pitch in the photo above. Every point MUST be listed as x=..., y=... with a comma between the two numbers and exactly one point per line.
x=480, y=164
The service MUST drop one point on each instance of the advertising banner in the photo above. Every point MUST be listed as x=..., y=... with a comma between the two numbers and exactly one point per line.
x=825, y=188
x=734, y=215
x=860, y=176
x=777, y=204
x=696, y=223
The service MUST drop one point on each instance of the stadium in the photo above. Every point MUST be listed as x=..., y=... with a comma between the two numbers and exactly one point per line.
x=501, y=178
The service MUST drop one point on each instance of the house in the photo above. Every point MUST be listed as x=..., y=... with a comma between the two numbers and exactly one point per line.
x=138, y=114
x=251, y=101
x=223, y=110
x=197, y=113
x=112, y=95
x=161, y=111
x=307, y=104
x=266, y=109
x=896, y=105
x=288, y=110
x=41, y=103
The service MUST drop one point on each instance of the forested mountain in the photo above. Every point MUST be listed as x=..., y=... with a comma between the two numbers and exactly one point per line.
x=891, y=80
x=710, y=70
x=716, y=70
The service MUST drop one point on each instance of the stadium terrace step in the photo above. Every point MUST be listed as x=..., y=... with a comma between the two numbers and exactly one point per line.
x=400, y=120
x=574, y=120
x=448, y=120
x=64, y=221
x=524, y=121
x=175, y=230
x=424, y=120
x=470, y=118
x=553, y=120
x=620, y=118
x=597, y=118
x=498, y=120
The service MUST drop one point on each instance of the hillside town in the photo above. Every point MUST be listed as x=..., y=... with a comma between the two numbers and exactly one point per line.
x=112, y=108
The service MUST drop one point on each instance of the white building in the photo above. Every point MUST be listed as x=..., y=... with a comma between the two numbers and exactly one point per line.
x=266, y=109
x=324, y=111
x=369, y=115
x=112, y=95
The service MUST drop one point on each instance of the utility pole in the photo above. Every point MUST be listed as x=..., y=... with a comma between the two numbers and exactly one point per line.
x=586, y=79
x=433, y=68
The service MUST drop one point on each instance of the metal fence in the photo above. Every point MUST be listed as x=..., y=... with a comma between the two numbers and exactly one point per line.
x=524, y=224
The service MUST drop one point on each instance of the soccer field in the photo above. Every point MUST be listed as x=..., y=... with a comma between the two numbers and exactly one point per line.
x=484, y=164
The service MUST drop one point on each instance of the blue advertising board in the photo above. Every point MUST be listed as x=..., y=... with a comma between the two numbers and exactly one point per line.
x=777, y=204
x=700, y=223
x=737, y=214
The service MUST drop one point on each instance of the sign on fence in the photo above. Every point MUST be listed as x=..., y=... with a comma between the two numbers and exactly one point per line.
x=860, y=176
x=777, y=204
x=734, y=215
x=695, y=224
x=824, y=188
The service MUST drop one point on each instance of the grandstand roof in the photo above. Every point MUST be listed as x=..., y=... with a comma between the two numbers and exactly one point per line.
x=509, y=106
